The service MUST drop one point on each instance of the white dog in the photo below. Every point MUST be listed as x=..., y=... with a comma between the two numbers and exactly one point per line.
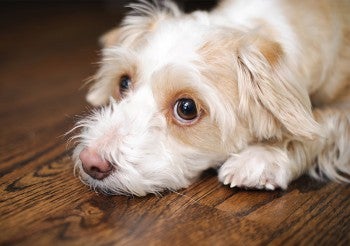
x=258, y=89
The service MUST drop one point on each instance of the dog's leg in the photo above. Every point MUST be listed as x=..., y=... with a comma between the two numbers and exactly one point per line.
x=269, y=166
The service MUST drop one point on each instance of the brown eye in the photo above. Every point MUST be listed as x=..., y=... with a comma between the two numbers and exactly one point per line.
x=124, y=84
x=185, y=110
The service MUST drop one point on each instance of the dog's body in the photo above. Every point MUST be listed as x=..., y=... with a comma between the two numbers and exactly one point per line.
x=231, y=88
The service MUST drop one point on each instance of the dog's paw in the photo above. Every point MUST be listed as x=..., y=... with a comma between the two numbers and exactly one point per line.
x=258, y=167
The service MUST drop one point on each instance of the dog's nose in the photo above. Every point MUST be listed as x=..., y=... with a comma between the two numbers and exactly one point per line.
x=94, y=165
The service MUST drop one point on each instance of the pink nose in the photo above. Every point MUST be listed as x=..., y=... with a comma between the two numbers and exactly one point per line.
x=94, y=165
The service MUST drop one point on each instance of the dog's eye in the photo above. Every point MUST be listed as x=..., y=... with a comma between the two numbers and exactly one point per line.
x=185, y=110
x=124, y=84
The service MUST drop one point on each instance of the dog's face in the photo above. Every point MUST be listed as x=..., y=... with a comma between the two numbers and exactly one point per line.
x=180, y=95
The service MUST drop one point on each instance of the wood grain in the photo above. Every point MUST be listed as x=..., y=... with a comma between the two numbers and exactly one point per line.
x=46, y=52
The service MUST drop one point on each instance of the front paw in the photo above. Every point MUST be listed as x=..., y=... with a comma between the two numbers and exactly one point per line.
x=258, y=167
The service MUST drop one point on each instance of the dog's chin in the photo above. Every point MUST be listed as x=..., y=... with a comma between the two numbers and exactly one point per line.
x=129, y=181
x=121, y=184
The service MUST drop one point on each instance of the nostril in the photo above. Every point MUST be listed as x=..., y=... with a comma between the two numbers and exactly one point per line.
x=96, y=172
x=95, y=169
x=94, y=165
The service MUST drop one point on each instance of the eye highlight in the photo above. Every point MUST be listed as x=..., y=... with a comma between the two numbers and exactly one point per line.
x=124, y=84
x=185, y=110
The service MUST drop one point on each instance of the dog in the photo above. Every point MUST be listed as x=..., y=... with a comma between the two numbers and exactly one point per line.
x=257, y=89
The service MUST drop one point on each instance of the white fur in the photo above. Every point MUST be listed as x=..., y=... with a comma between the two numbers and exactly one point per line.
x=268, y=135
x=259, y=167
x=131, y=135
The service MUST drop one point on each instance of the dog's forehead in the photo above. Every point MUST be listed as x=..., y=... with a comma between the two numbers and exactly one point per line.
x=174, y=42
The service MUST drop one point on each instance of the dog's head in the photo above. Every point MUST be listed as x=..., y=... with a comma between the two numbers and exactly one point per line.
x=179, y=95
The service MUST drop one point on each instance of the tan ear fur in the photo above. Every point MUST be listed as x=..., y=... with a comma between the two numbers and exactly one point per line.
x=271, y=90
x=110, y=38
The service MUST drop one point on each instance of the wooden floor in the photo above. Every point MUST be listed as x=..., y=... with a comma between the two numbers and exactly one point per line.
x=46, y=52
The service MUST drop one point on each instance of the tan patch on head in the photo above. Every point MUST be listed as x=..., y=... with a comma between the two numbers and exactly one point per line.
x=272, y=51
x=171, y=84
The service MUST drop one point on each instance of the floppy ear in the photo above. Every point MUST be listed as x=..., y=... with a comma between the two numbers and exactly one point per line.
x=110, y=38
x=271, y=95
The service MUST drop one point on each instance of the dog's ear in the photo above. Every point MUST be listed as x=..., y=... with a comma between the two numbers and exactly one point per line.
x=110, y=38
x=271, y=96
x=143, y=18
